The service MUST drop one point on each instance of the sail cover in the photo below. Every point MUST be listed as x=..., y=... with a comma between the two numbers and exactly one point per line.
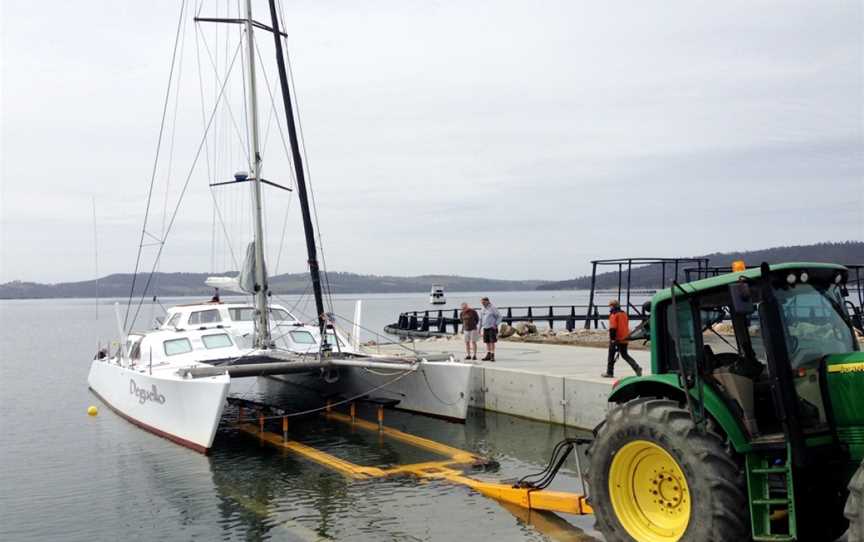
x=242, y=283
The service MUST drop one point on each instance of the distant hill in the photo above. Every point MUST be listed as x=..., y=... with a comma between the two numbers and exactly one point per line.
x=181, y=284
x=848, y=252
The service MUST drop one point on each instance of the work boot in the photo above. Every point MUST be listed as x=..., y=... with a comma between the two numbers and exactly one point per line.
x=468, y=357
x=474, y=357
x=491, y=357
x=607, y=375
x=487, y=357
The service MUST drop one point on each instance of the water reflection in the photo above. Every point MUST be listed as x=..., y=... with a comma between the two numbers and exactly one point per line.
x=265, y=492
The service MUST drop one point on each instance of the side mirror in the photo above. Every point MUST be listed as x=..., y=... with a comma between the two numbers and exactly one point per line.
x=646, y=308
x=742, y=300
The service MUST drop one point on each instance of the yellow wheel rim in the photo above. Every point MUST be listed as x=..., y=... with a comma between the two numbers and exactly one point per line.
x=649, y=492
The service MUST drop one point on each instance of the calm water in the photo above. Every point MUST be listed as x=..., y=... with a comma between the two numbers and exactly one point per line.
x=64, y=475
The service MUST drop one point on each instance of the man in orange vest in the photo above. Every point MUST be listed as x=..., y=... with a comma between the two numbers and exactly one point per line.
x=619, y=331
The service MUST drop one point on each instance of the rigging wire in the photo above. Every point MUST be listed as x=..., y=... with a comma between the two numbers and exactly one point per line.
x=226, y=103
x=296, y=100
x=274, y=109
x=180, y=198
x=333, y=405
x=155, y=163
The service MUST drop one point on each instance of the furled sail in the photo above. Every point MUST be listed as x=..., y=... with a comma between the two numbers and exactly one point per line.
x=244, y=282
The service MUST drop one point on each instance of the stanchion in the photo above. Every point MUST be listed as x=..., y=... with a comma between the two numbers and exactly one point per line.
x=284, y=428
x=353, y=412
x=240, y=413
x=380, y=417
x=261, y=422
x=328, y=407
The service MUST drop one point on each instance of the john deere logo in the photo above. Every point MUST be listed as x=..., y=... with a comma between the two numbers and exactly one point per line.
x=145, y=395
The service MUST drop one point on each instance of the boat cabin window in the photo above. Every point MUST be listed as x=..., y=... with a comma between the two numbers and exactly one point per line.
x=242, y=314
x=174, y=321
x=133, y=347
x=218, y=340
x=204, y=317
x=302, y=337
x=247, y=314
x=280, y=314
x=174, y=347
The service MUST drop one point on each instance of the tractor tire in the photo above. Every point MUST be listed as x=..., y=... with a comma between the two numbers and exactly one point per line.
x=653, y=475
x=854, y=510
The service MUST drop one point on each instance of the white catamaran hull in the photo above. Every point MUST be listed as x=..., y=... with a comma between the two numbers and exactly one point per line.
x=438, y=389
x=185, y=411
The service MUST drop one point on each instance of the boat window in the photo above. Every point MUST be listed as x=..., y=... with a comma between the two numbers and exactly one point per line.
x=242, y=314
x=177, y=346
x=302, y=337
x=133, y=348
x=280, y=314
x=204, y=317
x=219, y=340
x=174, y=320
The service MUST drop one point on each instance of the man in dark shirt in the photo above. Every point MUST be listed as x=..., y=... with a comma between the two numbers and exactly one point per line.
x=619, y=332
x=470, y=319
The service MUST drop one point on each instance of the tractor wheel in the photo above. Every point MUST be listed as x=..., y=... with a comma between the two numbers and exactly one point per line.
x=854, y=510
x=654, y=477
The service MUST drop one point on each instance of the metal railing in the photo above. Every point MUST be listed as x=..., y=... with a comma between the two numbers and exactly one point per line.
x=448, y=321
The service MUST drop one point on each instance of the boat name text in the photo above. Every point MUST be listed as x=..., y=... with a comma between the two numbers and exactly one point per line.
x=144, y=395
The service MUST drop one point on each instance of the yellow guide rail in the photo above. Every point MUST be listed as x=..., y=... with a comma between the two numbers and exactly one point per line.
x=445, y=469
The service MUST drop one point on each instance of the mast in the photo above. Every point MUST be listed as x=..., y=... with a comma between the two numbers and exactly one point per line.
x=262, y=338
x=308, y=228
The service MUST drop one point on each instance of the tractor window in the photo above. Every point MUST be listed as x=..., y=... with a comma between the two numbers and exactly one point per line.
x=812, y=324
x=684, y=351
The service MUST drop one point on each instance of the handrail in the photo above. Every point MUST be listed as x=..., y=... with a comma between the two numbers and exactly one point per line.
x=447, y=321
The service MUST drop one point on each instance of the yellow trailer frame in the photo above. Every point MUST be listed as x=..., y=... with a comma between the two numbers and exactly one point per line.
x=448, y=469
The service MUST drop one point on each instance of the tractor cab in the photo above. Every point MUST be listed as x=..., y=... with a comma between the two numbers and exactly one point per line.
x=754, y=405
x=762, y=343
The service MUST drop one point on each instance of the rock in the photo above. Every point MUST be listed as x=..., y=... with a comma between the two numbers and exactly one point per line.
x=505, y=330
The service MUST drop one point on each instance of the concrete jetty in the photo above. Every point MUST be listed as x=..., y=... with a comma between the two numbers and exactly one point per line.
x=546, y=382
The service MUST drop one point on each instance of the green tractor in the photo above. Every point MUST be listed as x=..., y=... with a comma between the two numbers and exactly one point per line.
x=755, y=431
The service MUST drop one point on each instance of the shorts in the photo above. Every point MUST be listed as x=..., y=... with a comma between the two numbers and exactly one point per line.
x=490, y=335
x=471, y=335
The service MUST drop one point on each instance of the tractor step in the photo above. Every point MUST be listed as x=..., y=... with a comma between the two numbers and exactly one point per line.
x=766, y=502
x=772, y=495
x=770, y=470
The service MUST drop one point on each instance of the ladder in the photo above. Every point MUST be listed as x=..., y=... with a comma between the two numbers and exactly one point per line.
x=772, y=496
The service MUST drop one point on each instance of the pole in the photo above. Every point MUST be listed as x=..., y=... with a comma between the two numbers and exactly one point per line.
x=297, y=160
x=262, y=338
x=591, y=296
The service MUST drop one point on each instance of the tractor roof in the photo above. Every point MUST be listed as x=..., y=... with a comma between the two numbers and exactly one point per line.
x=751, y=273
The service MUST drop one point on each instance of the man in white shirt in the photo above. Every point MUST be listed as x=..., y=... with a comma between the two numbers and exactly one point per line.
x=489, y=320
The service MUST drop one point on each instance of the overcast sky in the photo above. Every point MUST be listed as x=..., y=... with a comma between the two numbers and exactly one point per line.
x=506, y=138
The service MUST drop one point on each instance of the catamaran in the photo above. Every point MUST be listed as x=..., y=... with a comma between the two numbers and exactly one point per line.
x=174, y=380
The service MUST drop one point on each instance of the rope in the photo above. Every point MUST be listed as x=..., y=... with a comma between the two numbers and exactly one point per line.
x=331, y=405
